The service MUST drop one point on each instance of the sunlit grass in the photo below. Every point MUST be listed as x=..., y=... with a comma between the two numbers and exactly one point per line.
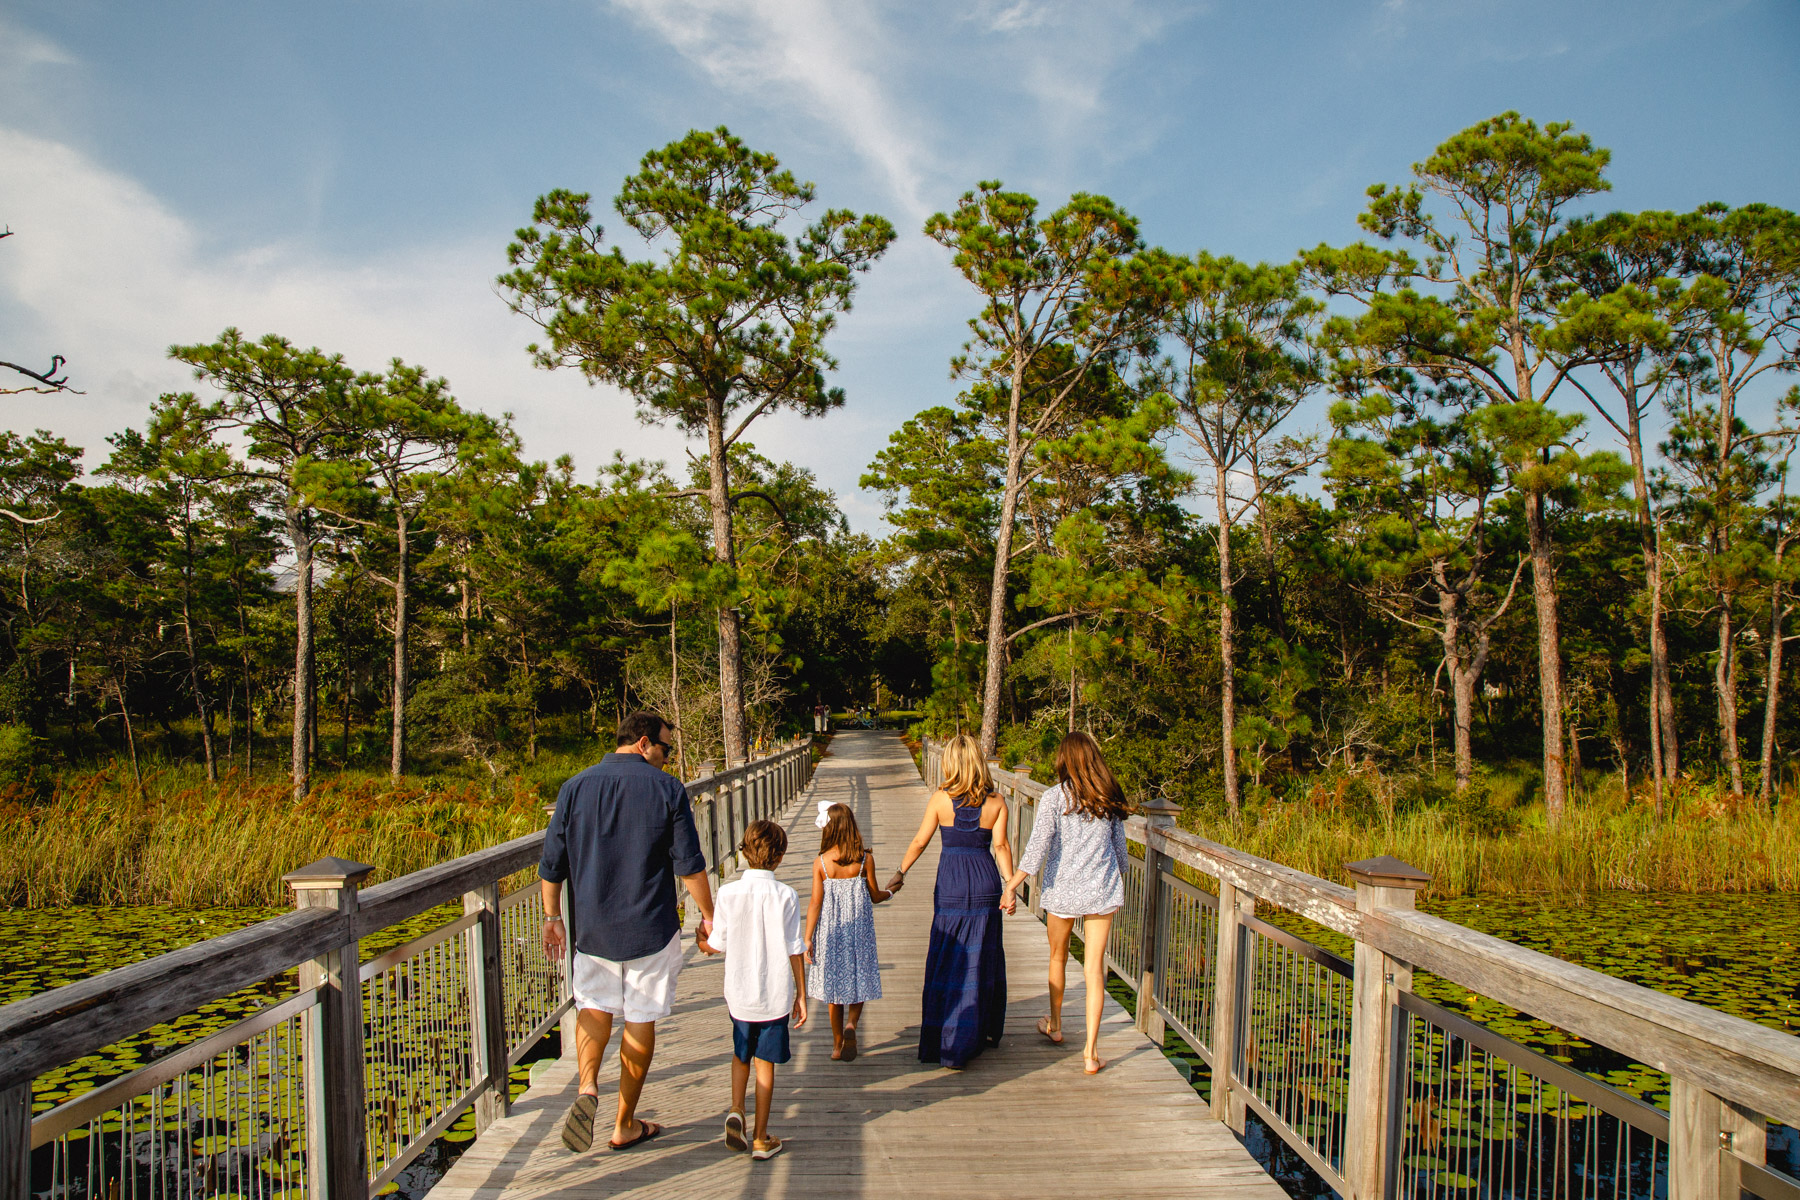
x=191, y=844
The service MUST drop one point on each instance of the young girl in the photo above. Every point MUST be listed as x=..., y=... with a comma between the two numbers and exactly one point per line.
x=840, y=928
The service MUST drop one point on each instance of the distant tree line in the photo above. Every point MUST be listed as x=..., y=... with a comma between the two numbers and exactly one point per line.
x=1121, y=522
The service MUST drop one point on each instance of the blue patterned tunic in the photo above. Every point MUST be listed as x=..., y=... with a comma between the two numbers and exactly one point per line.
x=1083, y=858
x=845, y=967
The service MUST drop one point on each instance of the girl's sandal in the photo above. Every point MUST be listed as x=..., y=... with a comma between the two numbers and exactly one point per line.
x=850, y=1045
x=1092, y=1066
x=1044, y=1028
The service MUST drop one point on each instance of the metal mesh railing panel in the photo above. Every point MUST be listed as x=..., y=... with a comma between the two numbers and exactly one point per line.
x=1125, y=945
x=232, y=1124
x=532, y=987
x=1485, y=1118
x=1293, y=1052
x=418, y=1047
x=1188, y=921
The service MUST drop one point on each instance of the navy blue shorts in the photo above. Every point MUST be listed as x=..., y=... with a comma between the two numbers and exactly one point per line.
x=767, y=1040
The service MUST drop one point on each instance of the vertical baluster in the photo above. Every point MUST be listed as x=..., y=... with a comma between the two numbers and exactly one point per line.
x=1228, y=1006
x=337, y=1164
x=1383, y=882
x=487, y=1005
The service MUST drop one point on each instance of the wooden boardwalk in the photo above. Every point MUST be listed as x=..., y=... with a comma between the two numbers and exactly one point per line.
x=1022, y=1120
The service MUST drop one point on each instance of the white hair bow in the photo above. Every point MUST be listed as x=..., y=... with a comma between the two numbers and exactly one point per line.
x=824, y=807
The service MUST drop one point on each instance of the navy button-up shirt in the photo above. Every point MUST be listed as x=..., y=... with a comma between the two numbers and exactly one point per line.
x=622, y=832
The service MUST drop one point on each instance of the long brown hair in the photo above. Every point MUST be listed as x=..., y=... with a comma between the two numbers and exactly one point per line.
x=966, y=775
x=841, y=834
x=1088, y=784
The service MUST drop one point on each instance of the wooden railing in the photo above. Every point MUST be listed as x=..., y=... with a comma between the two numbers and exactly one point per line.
x=1386, y=1094
x=332, y=1092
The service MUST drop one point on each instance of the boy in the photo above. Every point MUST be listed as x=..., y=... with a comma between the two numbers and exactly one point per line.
x=756, y=923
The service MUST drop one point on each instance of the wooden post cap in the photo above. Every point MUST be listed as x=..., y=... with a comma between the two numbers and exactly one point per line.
x=328, y=872
x=1387, y=871
x=1159, y=806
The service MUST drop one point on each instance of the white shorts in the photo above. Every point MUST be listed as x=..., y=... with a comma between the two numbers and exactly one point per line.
x=1077, y=916
x=639, y=989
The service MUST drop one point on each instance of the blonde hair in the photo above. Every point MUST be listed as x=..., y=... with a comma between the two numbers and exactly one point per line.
x=966, y=775
x=842, y=835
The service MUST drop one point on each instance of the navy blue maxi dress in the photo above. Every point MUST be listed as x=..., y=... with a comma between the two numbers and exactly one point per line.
x=965, y=967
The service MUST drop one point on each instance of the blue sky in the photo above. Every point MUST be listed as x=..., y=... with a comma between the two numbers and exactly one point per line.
x=348, y=174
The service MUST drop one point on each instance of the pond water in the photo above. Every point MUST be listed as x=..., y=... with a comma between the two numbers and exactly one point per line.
x=46, y=948
x=1739, y=954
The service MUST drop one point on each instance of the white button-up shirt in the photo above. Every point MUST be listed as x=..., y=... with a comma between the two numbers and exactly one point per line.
x=756, y=922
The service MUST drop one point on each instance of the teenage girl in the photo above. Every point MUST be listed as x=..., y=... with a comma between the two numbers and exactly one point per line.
x=844, y=970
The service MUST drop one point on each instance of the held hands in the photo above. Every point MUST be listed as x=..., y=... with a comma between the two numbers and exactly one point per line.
x=700, y=932
x=1009, y=903
x=897, y=882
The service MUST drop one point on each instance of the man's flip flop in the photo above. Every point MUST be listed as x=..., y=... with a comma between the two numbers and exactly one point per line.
x=849, y=1045
x=646, y=1131
x=734, y=1131
x=578, y=1127
x=1044, y=1028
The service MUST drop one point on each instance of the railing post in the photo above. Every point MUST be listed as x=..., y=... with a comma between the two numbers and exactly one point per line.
x=1709, y=1137
x=336, y=1111
x=1159, y=814
x=487, y=1006
x=1229, y=972
x=1378, y=978
x=15, y=1141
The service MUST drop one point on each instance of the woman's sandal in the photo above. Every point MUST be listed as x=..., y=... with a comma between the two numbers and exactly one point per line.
x=1044, y=1028
x=849, y=1045
x=1092, y=1066
x=646, y=1131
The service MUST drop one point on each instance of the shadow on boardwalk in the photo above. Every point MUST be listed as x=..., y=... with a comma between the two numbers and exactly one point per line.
x=1021, y=1120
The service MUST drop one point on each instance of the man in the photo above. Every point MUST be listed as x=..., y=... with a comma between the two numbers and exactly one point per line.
x=622, y=833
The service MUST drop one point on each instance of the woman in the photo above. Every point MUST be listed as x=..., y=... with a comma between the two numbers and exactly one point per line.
x=965, y=967
x=1078, y=840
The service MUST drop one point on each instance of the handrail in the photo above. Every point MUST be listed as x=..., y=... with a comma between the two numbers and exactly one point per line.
x=1728, y=1073
x=465, y=963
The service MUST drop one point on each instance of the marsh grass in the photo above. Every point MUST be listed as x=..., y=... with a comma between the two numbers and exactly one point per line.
x=1497, y=842
x=184, y=842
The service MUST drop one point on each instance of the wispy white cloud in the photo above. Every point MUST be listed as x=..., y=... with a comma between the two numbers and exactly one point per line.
x=819, y=52
x=22, y=49
x=102, y=271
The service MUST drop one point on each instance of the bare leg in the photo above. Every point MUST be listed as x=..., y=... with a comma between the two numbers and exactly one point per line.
x=765, y=1090
x=852, y=1014
x=740, y=1075
x=1097, y=931
x=837, y=1030
x=1058, y=929
x=593, y=1029
x=636, y=1047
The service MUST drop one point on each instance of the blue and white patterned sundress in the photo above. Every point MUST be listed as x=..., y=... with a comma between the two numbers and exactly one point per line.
x=845, y=968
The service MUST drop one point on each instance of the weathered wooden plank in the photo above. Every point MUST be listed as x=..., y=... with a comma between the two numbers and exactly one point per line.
x=1329, y=904
x=62, y=1024
x=409, y=895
